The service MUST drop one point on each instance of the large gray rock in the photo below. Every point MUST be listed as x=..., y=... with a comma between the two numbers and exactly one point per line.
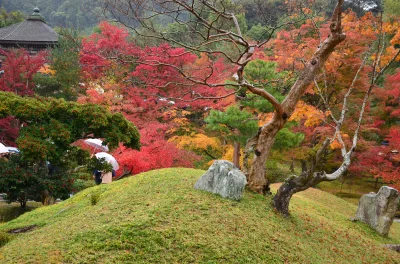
x=223, y=178
x=378, y=210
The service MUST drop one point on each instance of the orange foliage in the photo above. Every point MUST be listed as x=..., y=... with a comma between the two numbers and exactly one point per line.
x=263, y=118
x=310, y=114
x=46, y=69
x=336, y=145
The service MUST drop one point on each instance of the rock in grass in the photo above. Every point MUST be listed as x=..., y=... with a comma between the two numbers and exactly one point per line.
x=223, y=178
x=378, y=210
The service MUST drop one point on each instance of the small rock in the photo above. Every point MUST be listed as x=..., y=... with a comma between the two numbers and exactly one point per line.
x=378, y=210
x=223, y=178
x=392, y=247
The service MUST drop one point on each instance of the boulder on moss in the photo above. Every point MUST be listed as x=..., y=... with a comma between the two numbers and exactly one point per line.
x=378, y=210
x=223, y=178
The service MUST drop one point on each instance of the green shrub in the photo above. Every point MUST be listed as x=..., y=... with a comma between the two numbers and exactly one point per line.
x=80, y=184
x=94, y=198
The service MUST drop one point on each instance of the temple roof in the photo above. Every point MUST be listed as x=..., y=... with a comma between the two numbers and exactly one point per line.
x=33, y=30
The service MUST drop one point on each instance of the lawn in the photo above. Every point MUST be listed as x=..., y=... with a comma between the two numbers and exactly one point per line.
x=157, y=217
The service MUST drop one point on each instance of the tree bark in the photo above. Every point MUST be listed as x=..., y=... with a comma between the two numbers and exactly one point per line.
x=307, y=179
x=257, y=177
x=257, y=180
x=291, y=186
x=236, y=154
x=22, y=199
x=303, y=165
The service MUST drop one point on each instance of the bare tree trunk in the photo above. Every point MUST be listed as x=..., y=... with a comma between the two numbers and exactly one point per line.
x=22, y=199
x=303, y=165
x=292, y=166
x=236, y=154
x=249, y=149
x=291, y=186
x=310, y=178
x=306, y=180
x=257, y=177
x=257, y=181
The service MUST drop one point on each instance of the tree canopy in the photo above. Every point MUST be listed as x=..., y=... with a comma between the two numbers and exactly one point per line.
x=50, y=125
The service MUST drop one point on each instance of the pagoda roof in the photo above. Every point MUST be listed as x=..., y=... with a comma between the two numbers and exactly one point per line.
x=33, y=30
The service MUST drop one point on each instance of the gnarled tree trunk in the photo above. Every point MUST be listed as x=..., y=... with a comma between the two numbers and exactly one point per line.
x=257, y=179
x=291, y=186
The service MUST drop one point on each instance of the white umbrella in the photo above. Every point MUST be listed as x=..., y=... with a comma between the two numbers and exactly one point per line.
x=3, y=149
x=110, y=159
x=97, y=143
x=13, y=150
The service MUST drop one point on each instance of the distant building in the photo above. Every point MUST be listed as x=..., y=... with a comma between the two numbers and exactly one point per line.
x=32, y=34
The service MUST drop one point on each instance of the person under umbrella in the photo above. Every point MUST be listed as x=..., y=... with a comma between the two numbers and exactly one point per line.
x=4, y=153
x=96, y=143
x=106, y=177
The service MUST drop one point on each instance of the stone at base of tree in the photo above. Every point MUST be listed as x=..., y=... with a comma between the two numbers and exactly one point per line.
x=378, y=210
x=223, y=178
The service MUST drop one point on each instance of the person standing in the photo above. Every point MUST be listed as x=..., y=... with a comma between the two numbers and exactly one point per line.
x=97, y=176
x=106, y=177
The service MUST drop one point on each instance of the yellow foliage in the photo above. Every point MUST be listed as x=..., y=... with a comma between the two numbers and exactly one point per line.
x=178, y=117
x=391, y=28
x=175, y=113
x=263, y=118
x=387, y=56
x=309, y=113
x=197, y=142
x=228, y=154
x=46, y=69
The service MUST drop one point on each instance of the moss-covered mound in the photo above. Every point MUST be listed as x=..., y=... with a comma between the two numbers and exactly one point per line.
x=157, y=217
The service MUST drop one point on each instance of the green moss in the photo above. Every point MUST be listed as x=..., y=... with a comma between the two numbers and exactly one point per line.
x=157, y=217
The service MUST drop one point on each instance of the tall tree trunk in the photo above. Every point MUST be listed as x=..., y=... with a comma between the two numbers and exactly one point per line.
x=22, y=199
x=257, y=181
x=248, y=151
x=292, y=166
x=257, y=178
x=236, y=154
x=303, y=165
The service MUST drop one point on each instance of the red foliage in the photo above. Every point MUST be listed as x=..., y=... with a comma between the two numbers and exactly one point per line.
x=155, y=152
x=101, y=51
x=379, y=162
x=19, y=68
x=144, y=84
x=394, y=138
x=9, y=130
x=152, y=78
x=393, y=95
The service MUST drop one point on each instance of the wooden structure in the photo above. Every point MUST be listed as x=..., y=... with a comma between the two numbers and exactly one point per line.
x=32, y=34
